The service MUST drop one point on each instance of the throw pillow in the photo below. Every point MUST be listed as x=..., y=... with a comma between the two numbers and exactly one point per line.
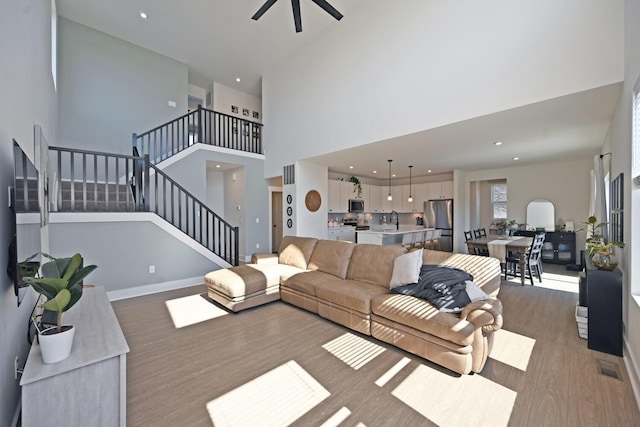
x=406, y=269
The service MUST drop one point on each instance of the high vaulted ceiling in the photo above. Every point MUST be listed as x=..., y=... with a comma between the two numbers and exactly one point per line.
x=220, y=42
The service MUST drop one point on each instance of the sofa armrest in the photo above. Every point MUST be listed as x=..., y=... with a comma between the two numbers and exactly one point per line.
x=485, y=314
x=264, y=258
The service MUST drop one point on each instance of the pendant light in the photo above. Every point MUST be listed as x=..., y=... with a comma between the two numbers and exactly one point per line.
x=410, y=199
x=389, y=196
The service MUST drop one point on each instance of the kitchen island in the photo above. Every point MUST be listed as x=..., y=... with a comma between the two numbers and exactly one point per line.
x=387, y=236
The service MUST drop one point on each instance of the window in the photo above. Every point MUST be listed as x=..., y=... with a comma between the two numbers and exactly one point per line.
x=635, y=135
x=499, y=200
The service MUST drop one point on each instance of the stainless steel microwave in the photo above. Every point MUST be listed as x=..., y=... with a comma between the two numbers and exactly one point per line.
x=356, y=205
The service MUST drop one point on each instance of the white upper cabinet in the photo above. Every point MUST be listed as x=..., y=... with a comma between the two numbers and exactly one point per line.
x=440, y=190
x=334, y=196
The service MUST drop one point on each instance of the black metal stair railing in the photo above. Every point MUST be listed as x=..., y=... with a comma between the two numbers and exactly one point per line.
x=176, y=205
x=90, y=181
x=199, y=126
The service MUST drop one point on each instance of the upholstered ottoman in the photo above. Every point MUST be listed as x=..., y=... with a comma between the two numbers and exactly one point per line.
x=247, y=286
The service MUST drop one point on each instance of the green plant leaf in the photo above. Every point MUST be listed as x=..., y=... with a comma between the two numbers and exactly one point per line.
x=56, y=284
x=55, y=268
x=48, y=291
x=74, y=264
x=76, y=294
x=59, y=303
x=81, y=274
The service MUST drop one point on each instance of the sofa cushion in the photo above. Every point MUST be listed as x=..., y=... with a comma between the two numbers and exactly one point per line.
x=296, y=251
x=331, y=256
x=373, y=263
x=349, y=294
x=423, y=316
x=247, y=279
x=306, y=282
x=406, y=269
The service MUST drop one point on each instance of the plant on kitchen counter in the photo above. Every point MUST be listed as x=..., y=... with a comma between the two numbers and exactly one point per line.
x=357, y=186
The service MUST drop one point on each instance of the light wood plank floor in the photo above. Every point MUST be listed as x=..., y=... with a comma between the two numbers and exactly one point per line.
x=540, y=372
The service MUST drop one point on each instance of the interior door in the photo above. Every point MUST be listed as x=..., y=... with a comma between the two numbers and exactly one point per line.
x=276, y=220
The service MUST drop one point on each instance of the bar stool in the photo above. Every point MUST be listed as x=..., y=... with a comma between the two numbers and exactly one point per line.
x=435, y=239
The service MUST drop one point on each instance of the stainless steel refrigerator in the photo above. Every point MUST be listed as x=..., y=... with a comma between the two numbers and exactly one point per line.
x=438, y=213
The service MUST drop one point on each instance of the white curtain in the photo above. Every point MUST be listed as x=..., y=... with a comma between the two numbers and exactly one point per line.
x=598, y=196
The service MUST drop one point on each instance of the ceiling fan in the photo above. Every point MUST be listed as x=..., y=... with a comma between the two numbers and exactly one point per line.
x=295, y=4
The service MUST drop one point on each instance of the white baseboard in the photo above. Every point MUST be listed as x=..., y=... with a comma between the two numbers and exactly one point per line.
x=633, y=369
x=154, y=289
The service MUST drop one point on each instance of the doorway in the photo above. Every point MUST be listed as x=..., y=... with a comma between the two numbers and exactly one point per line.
x=276, y=220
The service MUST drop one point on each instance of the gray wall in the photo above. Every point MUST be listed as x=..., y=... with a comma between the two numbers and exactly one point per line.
x=249, y=191
x=123, y=252
x=109, y=89
x=28, y=97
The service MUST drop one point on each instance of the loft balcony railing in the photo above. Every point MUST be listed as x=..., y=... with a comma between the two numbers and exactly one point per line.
x=90, y=181
x=199, y=126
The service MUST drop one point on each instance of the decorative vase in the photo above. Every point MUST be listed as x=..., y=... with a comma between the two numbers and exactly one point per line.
x=56, y=346
x=605, y=260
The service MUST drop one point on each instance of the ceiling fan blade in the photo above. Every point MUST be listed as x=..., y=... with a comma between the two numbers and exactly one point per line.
x=263, y=9
x=295, y=4
x=328, y=8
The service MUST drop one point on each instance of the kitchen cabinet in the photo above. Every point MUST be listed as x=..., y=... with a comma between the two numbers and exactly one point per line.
x=342, y=233
x=420, y=195
x=339, y=194
x=334, y=203
x=375, y=199
x=440, y=190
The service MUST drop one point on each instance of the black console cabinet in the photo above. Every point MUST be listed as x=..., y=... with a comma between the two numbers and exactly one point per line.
x=559, y=247
x=604, y=300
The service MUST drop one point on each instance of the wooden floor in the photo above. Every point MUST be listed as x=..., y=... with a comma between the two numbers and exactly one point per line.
x=278, y=365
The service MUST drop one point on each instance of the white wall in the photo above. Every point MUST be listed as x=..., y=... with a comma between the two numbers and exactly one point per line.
x=224, y=97
x=110, y=89
x=215, y=190
x=310, y=176
x=432, y=63
x=565, y=184
x=621, y=163
x=28, y=97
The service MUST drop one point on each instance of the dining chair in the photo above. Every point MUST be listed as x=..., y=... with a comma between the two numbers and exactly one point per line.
x=468, y=236
x=483, y=232
x=533, y=261
x=476, y=233
x=408, y=240
x=428, y=239
x=435, y=239
x=418, y=240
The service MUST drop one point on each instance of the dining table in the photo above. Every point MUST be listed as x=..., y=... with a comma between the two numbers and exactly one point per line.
x=499, y=245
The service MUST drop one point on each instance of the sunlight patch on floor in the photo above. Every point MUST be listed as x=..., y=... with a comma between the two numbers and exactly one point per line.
x=276, y=398
x=451, y=400
x=353, y=350
x=387, y=376
x=512, y=349
x=337, y=418
x=558, y=282
x=193, y=309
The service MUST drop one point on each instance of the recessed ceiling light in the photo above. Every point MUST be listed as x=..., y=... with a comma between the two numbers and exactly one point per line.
x=497, y=143
x=238, y=79
x=516, y=158
x=143, y=15
x=375, y=171
x=429, y=171
x=218, y=166
x=394, y=175
x=350, y=167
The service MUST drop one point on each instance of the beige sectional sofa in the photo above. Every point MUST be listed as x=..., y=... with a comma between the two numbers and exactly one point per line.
x=348, y=284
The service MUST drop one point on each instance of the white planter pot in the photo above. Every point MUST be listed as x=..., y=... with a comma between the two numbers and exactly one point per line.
x=56, y=347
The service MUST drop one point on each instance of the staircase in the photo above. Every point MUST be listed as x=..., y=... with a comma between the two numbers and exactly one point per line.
x=91, y=181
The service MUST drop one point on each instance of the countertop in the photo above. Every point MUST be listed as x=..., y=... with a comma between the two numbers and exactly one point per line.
x=393, y=231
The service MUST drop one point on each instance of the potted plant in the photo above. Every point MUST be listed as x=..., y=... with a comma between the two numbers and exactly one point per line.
x=59, y=281
x=599, y=250
x=27, y=268
x=506, y=227
x=357, y=186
